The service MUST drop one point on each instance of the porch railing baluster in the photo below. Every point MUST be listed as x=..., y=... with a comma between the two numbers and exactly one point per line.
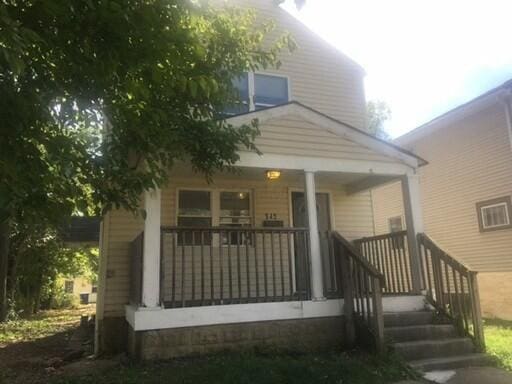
x=447, y=271
x=204, y=266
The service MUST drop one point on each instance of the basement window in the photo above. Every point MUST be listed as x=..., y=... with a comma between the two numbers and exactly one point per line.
x=494, y=214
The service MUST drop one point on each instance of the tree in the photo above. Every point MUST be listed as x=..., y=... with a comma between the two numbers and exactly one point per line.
x=378, y=112
x=156, y=73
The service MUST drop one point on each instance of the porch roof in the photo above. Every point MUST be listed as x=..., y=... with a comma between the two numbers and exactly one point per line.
x=338, y=128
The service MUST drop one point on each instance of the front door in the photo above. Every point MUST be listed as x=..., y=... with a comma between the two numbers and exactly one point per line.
x=299, y=216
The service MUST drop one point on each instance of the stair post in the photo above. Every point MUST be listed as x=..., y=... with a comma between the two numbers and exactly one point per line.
x=348, y=296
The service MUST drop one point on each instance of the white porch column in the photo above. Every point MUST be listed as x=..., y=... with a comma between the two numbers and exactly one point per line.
x=414, y=223
x=151, y=260
x=317, y=283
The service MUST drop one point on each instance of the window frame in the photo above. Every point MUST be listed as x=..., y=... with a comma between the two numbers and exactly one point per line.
x=215, y=208
x=401, y=223
x=505, y=201
x=69, y=284
x=251, y=89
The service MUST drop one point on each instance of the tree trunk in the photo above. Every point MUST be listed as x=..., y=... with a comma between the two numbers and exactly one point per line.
x=4, y=258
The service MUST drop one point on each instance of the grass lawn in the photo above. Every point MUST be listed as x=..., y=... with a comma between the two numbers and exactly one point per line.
x=334, y=367
x=498, y=338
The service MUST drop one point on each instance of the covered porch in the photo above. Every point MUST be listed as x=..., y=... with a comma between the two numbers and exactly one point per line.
x=246, y=249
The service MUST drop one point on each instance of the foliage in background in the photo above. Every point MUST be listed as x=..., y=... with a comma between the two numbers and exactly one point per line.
x=155, y=73
x=498, y=339
x=38, y=257
x=378, y=112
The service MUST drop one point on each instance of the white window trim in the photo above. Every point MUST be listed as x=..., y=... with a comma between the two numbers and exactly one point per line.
x=507, y=215
x=252, y=89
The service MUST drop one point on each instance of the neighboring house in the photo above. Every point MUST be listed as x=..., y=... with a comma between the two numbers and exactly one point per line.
x=79, y=232
x=465, y=191
x=80, y=287
x=264, y=257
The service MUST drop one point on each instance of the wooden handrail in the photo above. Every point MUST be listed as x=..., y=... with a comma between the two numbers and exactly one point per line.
x=452, y=288
x=356, y=255
x=383, y=236
x=362, y=289
x=234, y=229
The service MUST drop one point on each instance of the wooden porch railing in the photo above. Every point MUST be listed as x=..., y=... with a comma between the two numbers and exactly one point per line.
x=222, y=265
x=136, y=260
x=452, y=289
x=362, y=287
x=389, y=253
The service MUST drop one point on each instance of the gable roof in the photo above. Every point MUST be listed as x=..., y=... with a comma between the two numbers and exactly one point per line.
x=333, y=125
x=487, y=96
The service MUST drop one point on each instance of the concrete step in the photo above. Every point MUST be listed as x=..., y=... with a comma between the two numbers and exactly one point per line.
x=451, y=362
x=427, y=349
x=420, y=332
x=404, y=319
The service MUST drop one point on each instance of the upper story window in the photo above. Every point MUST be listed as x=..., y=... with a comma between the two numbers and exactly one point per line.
x=269, y=90
x=258, y=91
x=494, y=214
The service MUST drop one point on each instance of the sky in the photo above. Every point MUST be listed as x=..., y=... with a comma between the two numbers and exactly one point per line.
x=423, y=57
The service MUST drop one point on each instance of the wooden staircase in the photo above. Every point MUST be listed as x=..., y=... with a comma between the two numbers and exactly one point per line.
x=448, y=336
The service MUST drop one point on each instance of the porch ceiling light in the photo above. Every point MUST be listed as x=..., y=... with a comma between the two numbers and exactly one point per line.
x=273, y=174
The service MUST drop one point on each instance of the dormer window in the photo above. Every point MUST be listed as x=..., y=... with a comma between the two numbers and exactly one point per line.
x=259, y=91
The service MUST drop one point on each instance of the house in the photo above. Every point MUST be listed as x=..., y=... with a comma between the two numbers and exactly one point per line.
x=82, y=289
x=283, y=252
x=465, y=191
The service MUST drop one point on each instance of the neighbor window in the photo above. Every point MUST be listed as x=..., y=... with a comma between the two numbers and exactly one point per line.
x=68, y=286
x=395, y=224
x=194, y=210
x=258, y=91
x=235, y=212
x=494, y=214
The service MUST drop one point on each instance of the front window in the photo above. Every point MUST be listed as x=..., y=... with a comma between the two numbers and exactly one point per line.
x=494, y=214
x=204, y=209
x=258, y=91
x=194, y=210
x=235, y=212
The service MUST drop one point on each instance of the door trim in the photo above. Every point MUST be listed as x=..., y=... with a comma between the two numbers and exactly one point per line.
x=329, y=193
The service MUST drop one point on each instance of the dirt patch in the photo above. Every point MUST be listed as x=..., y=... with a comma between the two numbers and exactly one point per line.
x=34, y=348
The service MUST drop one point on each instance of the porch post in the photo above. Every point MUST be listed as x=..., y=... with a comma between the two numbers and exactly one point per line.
x=317, y=284
x=414, y=223
x=151, y=258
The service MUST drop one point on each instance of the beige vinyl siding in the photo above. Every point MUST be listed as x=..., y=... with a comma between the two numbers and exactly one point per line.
x=470, y=160
x=351, y=216
x=387, y=202
x=292, y=136
x=319, y=75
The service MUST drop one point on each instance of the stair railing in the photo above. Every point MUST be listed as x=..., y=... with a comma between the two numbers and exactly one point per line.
x=452, y=288
x=362, y=289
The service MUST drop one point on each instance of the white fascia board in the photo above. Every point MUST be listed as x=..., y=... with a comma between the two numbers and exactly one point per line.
x=319, y=164
x=142, y=319
x=338, y=128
